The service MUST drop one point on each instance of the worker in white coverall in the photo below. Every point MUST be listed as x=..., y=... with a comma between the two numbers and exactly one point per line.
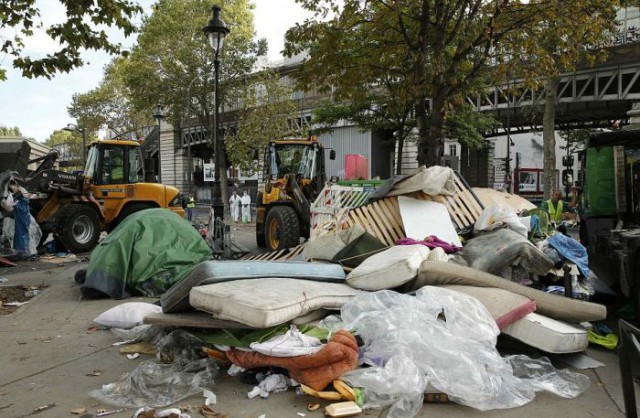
x=245, y=200
x=234, y=206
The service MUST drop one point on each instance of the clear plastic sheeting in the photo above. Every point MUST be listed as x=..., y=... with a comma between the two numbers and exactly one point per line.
x=158, y=385
x=446, y=340
x=179, y=345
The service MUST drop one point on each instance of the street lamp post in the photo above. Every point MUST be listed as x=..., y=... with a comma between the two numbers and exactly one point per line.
x=74, y=128
x=158, y=115
x=216, y=32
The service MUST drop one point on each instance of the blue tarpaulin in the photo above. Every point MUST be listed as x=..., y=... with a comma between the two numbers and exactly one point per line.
x=572, y=250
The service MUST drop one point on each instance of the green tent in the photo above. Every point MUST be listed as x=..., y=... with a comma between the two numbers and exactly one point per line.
x=145, y=255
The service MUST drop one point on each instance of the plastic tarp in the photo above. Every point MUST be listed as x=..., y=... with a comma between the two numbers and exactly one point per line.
x=446, y=340
x=145, y=255
x=497, y=250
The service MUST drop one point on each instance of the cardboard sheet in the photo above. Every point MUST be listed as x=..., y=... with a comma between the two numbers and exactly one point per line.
x=422, y=218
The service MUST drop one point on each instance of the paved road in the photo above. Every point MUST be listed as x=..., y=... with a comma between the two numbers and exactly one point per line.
x=47, y=353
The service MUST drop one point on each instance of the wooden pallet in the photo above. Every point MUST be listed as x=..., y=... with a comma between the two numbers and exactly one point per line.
x=382, y=218
x=281, y=255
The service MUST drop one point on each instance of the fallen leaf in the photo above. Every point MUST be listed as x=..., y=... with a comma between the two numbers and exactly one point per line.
x=44, y=408
x=208, y=412
x=78, y=411
x=313, y=406
x=95, y=373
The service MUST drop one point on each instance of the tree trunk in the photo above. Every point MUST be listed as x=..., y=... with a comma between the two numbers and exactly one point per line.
x=400, y=151
x=549, y=136
x=431, y=140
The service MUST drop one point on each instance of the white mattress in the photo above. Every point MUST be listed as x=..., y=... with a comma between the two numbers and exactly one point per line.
x=548, y=334
x=262, y=303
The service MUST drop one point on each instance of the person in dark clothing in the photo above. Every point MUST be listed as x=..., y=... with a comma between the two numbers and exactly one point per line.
x=22, y=219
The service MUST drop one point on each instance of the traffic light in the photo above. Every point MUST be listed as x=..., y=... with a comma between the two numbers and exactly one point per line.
x=567, y=160
x=567, y=177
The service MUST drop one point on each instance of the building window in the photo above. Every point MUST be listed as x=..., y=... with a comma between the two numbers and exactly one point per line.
x=453, y=149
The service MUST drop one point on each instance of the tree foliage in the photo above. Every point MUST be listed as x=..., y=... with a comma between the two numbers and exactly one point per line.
x=438, y=51
x=569, y=34
x=10, y=131
x=70, y=143
x=173, y=61
x=83, y=29
x=110, y=105
x=264, y=114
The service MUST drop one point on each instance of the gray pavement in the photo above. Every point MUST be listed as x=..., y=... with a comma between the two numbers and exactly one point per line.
x=47, y=352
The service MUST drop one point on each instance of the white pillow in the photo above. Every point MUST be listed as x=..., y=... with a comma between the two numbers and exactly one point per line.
x=389, y=268
x=127, y=315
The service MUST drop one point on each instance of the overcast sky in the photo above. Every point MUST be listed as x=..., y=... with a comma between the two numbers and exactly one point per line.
x=39, y=106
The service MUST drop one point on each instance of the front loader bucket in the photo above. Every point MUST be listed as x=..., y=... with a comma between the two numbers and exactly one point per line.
x=14, y=156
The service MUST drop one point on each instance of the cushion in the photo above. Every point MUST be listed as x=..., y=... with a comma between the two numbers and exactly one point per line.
x=127, y=315
x=262, y=303
x=388, y=269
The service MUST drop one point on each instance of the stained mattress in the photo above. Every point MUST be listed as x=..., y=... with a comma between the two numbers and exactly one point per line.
x=548, y=334
x=262, y=303
x=436, y=273
x=176, y=299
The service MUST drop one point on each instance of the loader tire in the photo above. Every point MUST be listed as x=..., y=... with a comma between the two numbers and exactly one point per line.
x=260, y=238
x=282, y=228
x=128, y=210
x=78, y=227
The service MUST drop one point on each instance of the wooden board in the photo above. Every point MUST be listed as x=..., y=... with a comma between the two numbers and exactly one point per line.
x=280, y=255
x=190, y=320
x=382, y=217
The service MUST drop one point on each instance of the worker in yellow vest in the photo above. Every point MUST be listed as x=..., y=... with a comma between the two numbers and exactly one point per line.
x=556, y=206
x=191, y=204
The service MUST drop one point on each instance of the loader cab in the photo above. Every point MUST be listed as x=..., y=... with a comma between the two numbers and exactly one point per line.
x=114, y=162
x=302, y=158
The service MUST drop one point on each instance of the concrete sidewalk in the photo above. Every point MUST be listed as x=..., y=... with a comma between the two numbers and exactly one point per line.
x=47, y=354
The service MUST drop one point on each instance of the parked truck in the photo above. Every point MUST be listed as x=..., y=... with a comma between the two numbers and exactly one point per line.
x=294, y=174
x=610, y=206
x=76, y=208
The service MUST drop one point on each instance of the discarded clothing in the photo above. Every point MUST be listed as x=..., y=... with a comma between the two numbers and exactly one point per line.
x=572, y=250
x=273, y=383
x=431, y=242
x=317, y=370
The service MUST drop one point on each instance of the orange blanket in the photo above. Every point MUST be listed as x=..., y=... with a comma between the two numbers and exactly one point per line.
x=317, y=370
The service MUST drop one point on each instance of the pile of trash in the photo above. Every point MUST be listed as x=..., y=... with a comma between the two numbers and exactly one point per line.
x=391, y=303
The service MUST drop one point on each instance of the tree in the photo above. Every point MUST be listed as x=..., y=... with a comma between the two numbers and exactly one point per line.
x=172, y=55
x=436, y=52
x=83, y=29
x=70, y=145
x=10, y=131
x=109, y=105
x=569, y=34
x=264, y=114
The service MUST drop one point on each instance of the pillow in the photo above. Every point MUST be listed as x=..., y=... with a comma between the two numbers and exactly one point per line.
x=127, y=315
x=388, y=269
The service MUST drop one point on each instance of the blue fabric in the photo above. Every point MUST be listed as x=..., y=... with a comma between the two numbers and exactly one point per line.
x=22, y=219
x=572, y=250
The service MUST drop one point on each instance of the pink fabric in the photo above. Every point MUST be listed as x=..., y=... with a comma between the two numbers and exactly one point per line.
x=432, y=242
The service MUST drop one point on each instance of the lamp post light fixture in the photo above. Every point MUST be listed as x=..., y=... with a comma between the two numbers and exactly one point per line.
x=215, y=32
x=74, y=128
x=158, y=115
